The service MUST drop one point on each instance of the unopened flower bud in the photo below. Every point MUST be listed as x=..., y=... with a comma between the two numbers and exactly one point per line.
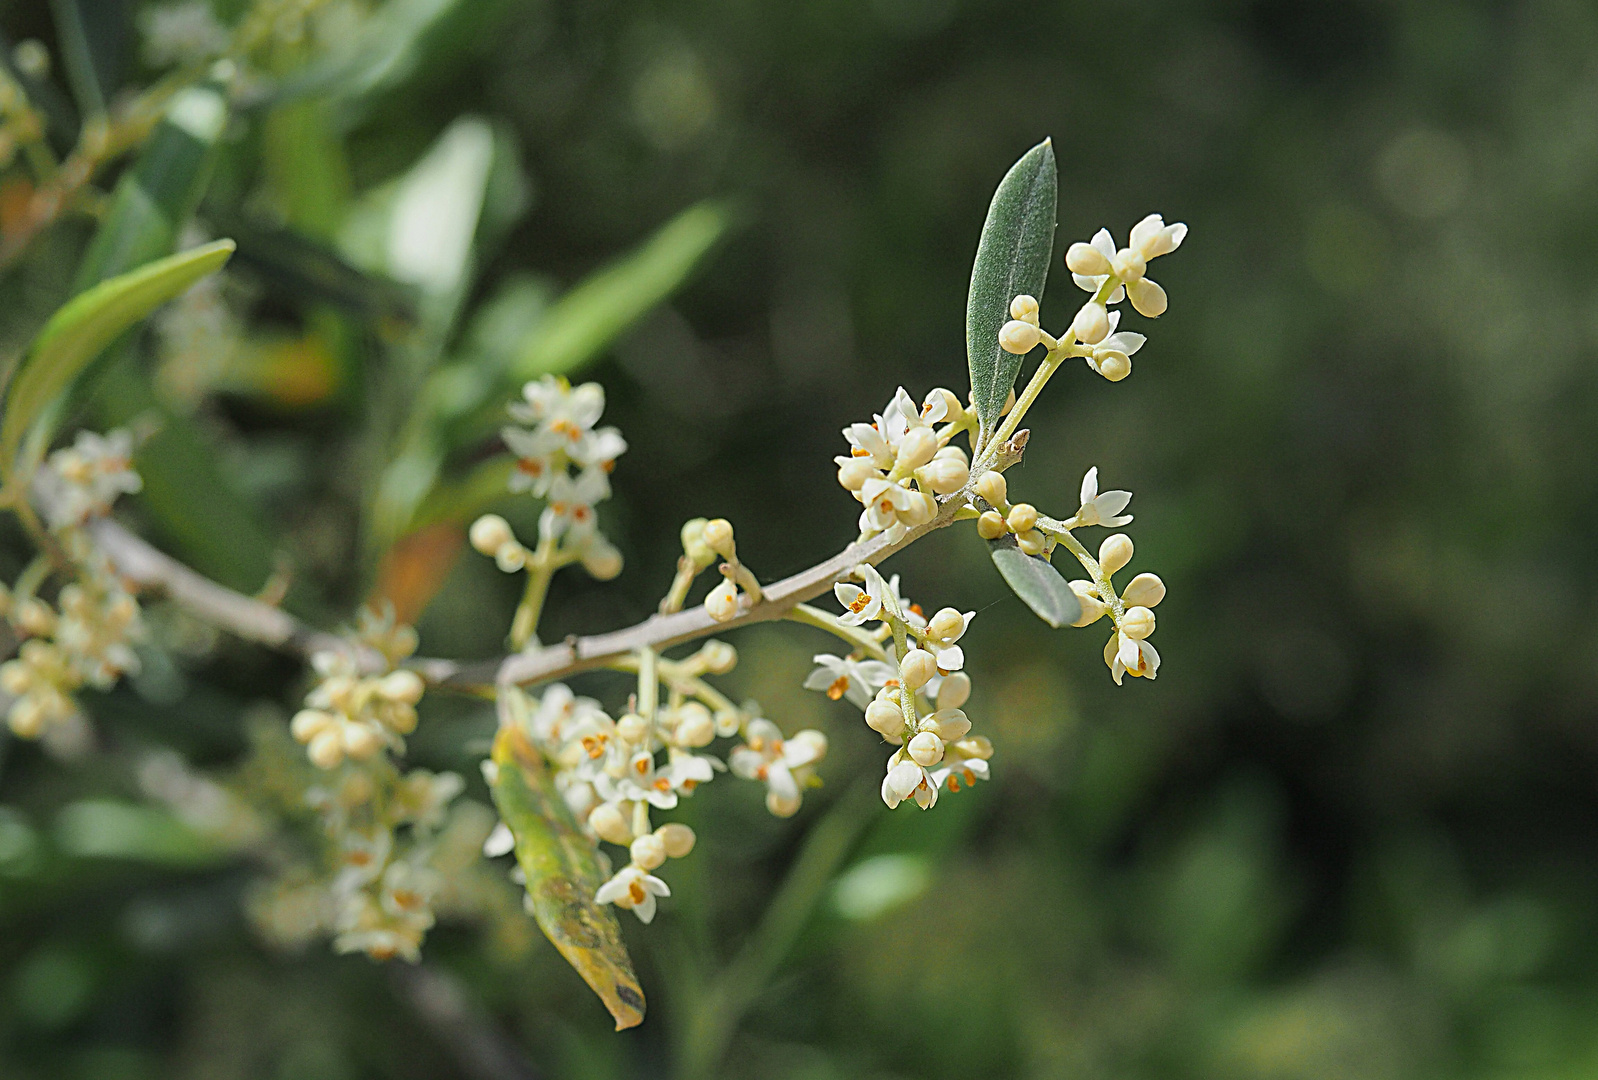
x=945, y=624
x=489, y=533
x=308, y=723
x=403, y=685
x=326, y=750
x=945, y=475
x=718, y=535
x=35, y=617
x=510, y=557
x=854, y=473
x=917, y=668
x=610, y=823
x=1113, y=364
x=978, y=746
x=782, y=805
x=1022, y=516
x=602, y=560
x=1145, y=590
x=885, y=717
x=1032, y=542
x=950, y=724
x=1087, y=260
x=1128, y=265
x=1137, y=623
x=922, y=509
x=1019, y=337
x=26, y=719
x=1025, y=308
x=1147, y=297
x=917, y=448
x=695, y=727
x=954, y=691
x=648, y=851
x=1092, y=323
x=926, y=749
x=722, y=603
x=15, y=678
x=1115, y=552
x=361, y=741
x=990, y=526
x=993, y=489
x=1087, y=595
x=677, y=838
x=718, y=657
x=632, y=728
x=693, y=543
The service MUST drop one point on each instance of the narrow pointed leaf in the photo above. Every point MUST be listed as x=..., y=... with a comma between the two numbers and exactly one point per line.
x=1012, y=258
x=562, y=868
x=1037, y=583
x=88, y=323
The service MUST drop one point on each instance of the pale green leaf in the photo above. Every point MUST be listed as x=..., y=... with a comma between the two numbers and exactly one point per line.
x=1012, y=259
x=1037, y=583
x=89, y=322
x=562, y=868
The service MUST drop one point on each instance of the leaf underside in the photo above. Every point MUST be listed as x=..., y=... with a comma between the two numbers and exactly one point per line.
x=1012, y=259
x=1037, y=583
x=562, y=868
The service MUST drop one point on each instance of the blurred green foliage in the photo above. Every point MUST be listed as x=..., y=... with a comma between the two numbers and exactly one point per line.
x=1347, y=834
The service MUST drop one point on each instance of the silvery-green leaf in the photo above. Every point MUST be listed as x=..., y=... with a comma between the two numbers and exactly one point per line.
x=1012, y=258
x=1037, y=583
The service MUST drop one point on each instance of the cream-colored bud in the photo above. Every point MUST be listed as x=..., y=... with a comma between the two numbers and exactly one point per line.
x=489, y=533
x=695, y=726
x=1087, y=260
x=632, y=728
x=1147, y=297
x=917, y=448
x=946, y=623
x=922, y=509
x=952, y=451
x=991, y=526
x=1145, y=590
x=950, y=724
x=718, y=535
x=602, y=561
x=326, y=750
x=610, y=823
x=1113, y=364
x=402, y=685
x=854, y=473
x=1032, y=542
x=783, y=805
x=26, y=719
x=1092, y=323
x=35, y=617
x=648, y=851
x=1022, y=516
x=510, y=557
x=917, y=668
x=954, y=691
x=993, y=488
x=926, y=749
x=946, y=475
x=1025, y=308
x=361, y=741
x=677, y=838
x=15, y=678
x=722, y=603
x=1087, y=595
x=728, y=721
x=1137, y=623
x=693, y=543
x=1128, y=265
x=1115, y=552
x=1019, y=337
x=309, y=723
x=977, y=746
x=718, y=657
x=885, y=717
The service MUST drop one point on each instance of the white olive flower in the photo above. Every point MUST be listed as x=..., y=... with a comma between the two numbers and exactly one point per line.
x=1112, y=357
x=964, y=763
x=906, y=779
x=861, y=604
x=1092, y=264
x=857, y=680
x=570, y=511
x=83, y=480
x=635, y=889
x=943, y=630
x=1126, y=655
x=784, y=765
x=1101, y=509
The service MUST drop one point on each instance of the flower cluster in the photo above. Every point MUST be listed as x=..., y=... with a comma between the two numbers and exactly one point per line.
x=613, y=773
x=83, y=480
x=899, y=462
x=355, y=715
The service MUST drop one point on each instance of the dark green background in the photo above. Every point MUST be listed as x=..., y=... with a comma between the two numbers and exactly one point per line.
x=1350, y=832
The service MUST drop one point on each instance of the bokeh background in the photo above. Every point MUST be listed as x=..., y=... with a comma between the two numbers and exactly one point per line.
x=1351, y=831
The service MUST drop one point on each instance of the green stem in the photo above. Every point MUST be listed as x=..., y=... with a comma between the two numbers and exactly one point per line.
x=540, y=569
x=1101, y=580
x=823, y=620
x=648, y=683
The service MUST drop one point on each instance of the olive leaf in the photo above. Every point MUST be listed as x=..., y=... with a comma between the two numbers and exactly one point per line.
x=1037, y=583
x=562, y=868
x=1012, y=258
x=89, y=322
